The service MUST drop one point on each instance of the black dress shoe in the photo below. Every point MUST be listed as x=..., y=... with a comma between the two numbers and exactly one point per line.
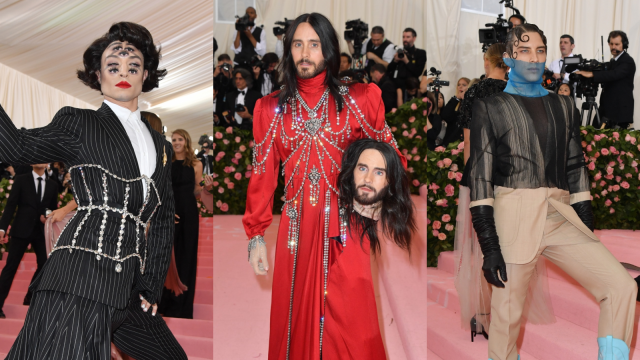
x=638, y=282
x=27, y=299
x=2, y=315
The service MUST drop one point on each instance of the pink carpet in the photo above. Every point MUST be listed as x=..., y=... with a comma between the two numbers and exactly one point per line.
x=195, y=336
x=242, y=300
x=574, y=334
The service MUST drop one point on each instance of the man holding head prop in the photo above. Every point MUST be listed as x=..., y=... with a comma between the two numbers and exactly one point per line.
x=530, y=197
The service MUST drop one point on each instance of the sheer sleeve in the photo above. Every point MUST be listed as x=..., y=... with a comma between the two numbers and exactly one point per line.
x=483, y=156
x=577, y=175
x=264, y=179
x=375, y=115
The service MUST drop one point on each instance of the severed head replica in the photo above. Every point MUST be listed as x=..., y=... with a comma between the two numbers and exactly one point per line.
x=374, y=187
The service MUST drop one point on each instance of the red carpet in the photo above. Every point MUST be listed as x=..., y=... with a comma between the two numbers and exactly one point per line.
x=242, y=300
x=572, y=337
x=195, y=336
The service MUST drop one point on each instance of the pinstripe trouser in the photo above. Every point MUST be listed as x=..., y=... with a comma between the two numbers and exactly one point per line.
x=65, y=326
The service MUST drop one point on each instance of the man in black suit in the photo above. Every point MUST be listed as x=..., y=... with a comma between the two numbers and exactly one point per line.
x=32, y=194
x=616, y=100
x=389, y=96
x=244, y=96
x=412, y=62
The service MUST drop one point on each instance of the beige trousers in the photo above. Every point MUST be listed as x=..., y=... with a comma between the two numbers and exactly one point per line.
x=584, y=259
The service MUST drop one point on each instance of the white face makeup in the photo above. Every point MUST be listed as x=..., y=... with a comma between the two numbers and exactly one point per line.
x=122, y=74
x=370, y=177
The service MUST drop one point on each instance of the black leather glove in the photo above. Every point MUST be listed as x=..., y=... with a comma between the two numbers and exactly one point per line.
x=485, y=226
x=585, y=212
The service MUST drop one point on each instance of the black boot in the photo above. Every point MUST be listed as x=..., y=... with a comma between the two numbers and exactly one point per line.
x=638, y=282
x=27, y=299
x=474, y=332
x=2, y=315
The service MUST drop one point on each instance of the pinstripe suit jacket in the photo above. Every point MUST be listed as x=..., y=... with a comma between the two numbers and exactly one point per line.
x=509, y=171
x=80, y=136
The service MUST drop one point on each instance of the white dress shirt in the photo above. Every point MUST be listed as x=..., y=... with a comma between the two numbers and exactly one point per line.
x=267, y=85
x=388, y=54
x=556, y=67
x=279, y=48
x=140, y=138
x=35, y=181
x=240, y=100
x=261, y=44
x=617, y=57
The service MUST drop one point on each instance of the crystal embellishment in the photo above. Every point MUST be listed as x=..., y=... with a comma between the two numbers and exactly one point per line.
x=118, y=267
x=312, y=125
x=314, y=176
x=291, y=212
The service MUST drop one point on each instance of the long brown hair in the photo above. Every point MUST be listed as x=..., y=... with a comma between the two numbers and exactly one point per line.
x=190, y=158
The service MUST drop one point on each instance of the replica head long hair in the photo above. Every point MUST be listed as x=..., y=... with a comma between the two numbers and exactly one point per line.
x=330, y=51
x=397, y=212
x=134, y=34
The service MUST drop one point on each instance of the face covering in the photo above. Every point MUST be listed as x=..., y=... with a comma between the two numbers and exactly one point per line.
x=525, y=78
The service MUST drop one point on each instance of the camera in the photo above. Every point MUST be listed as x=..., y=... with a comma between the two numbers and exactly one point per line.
x=277, y=30
x=356, y=31
x=400, y=53
x=256, y=62
x=239, y=108
x=244, y=23
x=548, y=81
x=584, y=86
x=437, y=83
x=205, y=142
x=225, y=67
x=495, y=33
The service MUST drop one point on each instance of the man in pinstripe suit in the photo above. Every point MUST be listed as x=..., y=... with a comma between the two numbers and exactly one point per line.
x=106, y=272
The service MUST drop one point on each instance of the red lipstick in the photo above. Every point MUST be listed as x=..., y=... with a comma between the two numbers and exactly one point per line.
x=123, y=85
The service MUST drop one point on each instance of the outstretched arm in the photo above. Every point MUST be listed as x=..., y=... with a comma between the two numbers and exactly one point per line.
x=58, y=141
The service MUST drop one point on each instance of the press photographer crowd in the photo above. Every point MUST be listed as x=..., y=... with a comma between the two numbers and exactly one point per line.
x=250, y=72
x=570, y=75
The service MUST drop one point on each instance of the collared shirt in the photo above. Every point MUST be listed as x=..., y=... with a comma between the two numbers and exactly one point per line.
x=556, y=67
x=35, y=181
x=140, y=138
x=267, y=85
x=240, y=100
x=261, y=44
x=617, y=57
x=388, y=54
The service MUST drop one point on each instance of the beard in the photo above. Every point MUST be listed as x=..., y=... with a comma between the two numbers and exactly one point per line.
x=309, y=72
x=370, y=198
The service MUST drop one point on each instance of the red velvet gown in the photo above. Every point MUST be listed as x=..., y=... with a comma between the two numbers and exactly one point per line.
x=330, y=303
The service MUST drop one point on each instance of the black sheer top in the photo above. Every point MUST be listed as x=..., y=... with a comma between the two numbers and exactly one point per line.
x=525, y=143
x=481, y=90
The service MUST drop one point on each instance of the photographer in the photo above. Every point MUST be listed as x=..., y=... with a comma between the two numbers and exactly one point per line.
x=265, y=74
x=385, y=84
x=407, y=62
x=566, y=49
x=250, y=41
x=204, y=155
x=616, y=100
x=222, y=84
x=377, y=49
x=345, y=62
x=243, y=98
x=517, y=19
x=411, y=91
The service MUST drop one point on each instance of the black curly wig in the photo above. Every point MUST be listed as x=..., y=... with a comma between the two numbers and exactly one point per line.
x=134, y=34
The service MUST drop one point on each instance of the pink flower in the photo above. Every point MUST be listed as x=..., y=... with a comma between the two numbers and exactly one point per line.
x=226, y=180
x=608, y=177
x=434, y=187
x=409, y=157
x=416, y=158
x=410, y=170
x=414, y=150
x=424, y=113
x=624, y=184
x=9, y=187
x=424, y=99
x=237, y=139
x=596, y=137
x=215, y=183
x=405, y=133
x=218, y=203
x=441, y=236
x=448, y=227
x=584, y=132
x=229, y=130
x=446, y=218
x=415, y=182
x=441, y=202
x=404, y=126
x=604, y=192
x=412, y=119
x=605, y=151
x=597, y=154
x=593, y=185
x=597, y=176
x=447, y=162
x=612, y=163
x=393, y=111
x=454, y=167
x=609, y=170
x=436, y=225
x=455, y=152
x=394, y=129
x=221, y=190
x=405, y=151
x=215, y=175
x=247, y=174
x=603, y=183
x=218, y=135
x=451, y=175
x=612, y=210
x=440, y=149
x=591, y=166
x=589, y=148
x=458, y=176
x=225, y=141
x=584, y=144
x=616, y=187
x=251, y=144
x=616, y=199
x=608, y=202
x=634, y=164
x=461, y=145
x=10, y=181
x=235, y=161
x=613, y=150
x=616, y=135
x=449, y=190
x=224, y=207
x=435, y=233
x=238, y=155
x=440, y=164
x=628, y=176
x=231, y=185
x=237, y=176
x=618, y=178
x=414, y=106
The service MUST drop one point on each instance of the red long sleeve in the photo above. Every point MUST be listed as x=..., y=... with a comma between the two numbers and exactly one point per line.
x=262, y=185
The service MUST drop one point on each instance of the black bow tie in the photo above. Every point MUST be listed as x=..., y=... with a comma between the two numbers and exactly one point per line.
x=241, y=92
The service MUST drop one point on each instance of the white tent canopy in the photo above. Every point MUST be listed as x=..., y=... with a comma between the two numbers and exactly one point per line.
x=41, y=47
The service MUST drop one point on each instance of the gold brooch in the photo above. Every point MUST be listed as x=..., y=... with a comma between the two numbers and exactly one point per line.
x=164, y=156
